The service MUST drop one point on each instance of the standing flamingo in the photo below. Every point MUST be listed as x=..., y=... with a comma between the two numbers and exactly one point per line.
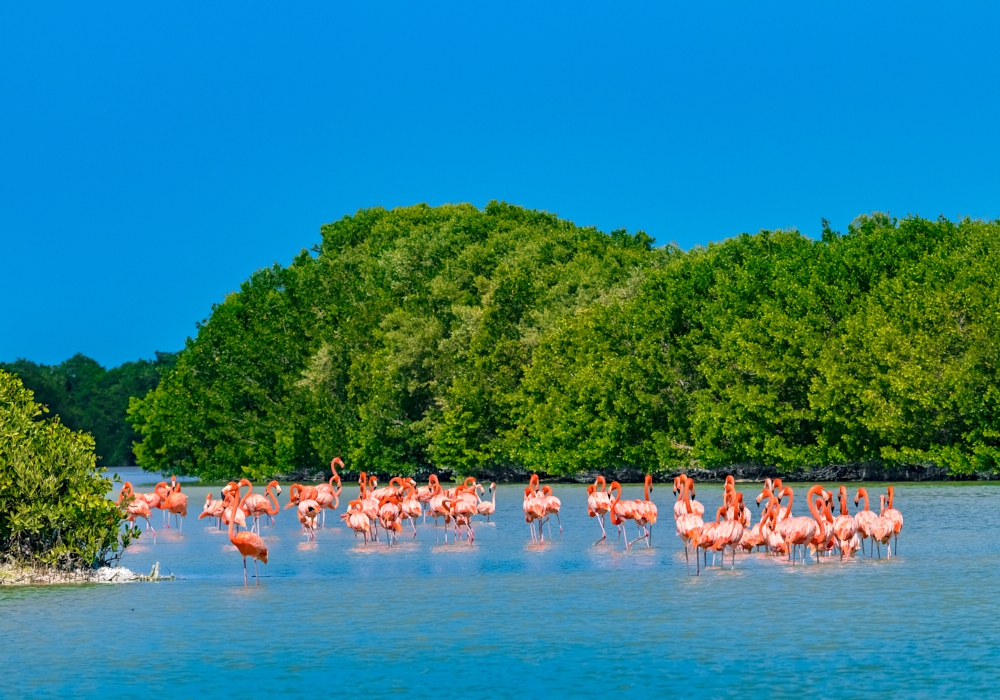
x=327, y=496
x=176, y=503
x=256, y=505
x=598, y=504
x=534, y=512
x=135, y=507
x=356, y=519
x=425, y=493
x=213, y=508
x=883, y=529
x=248, y=544
x=865, y=520
x=796, y=531
x=689, y=525
x=622, y=511
x=845, y=528
x=897, y=521
x=410, y=507
x=488, y=508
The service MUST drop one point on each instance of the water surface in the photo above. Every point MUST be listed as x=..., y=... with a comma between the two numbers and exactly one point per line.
x=508, y=619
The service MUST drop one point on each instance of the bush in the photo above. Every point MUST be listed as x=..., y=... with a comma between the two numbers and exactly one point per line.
x=53, y=507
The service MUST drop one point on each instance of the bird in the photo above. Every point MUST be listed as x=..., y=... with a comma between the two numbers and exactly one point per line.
x=135, y=507
x=598, y=504
x=646, y=511
x=689, y=524
x=865, y=519
x=552, y=506
x=845, y=527
x=534, y=509
x=622, y=511
x=883, y=529
x=230, y=513
x=897, y=520
x=409, y=507
x=213, y=508
x=425, y=493
x=176, y=503
x=796, y=531
x=488, y=508
x=327, y=496
x=249, y=544
x=356, y=519
x=256, y=505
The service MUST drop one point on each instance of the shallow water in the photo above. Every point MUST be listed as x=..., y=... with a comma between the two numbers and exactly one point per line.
x=509, y=619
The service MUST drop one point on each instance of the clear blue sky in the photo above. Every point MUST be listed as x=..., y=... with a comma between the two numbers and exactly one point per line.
x=154, y=154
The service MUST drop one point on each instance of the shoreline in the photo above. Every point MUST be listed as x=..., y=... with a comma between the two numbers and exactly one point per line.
x=27, y=575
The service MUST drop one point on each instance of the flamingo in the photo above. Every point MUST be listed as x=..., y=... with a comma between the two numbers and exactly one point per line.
x=327, y=496
x=410, y=507
x=897, y=520
x=229, y=515
x=865, y=519
x=622, y=511
x=883, y=529
x=462, y=510
x=552, y=506
x=534, y=511
x=845, y=528
x=249, y=544
x=689, y=525
x=388, y=516
x=488, y=508
x=798, y=530
x=598, y=504
x=307, y=511
x=356, y=519
x=176, y=503
x=213, y=508
x=135, y=507
x=646, y=511
x=729, y=532
x=436, y=508
x=256, y=505
x=425, y=493
x=823, y=540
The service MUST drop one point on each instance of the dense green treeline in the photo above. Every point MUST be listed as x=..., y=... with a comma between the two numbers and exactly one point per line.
x=471, y=340
x=88, y=397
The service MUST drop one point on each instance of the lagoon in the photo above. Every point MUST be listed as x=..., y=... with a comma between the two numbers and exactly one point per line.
x=505, y=618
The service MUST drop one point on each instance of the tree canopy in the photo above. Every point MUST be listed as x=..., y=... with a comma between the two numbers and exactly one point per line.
x=465, y=339
x=88, y=397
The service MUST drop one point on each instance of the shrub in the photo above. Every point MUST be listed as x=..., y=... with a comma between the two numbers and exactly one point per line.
x=53, y=504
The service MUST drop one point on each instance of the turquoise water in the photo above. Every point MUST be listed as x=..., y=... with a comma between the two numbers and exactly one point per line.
x=508, y=619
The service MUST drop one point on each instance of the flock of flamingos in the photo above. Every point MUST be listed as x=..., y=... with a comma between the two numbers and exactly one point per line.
x=400, y=504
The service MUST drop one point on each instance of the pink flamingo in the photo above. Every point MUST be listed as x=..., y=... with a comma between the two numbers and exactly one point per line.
x=598, y=504
x=845, y=528
x=248, y=544
x=552, y=506
x=135, y=507
x=409, y=506
x=488, y=508
x=689, y=525
x=534, y=512
x=327, y=496
x=622, y=511
x=883, y=529
x=425, y=493
x=799, y=531
x=256, y=505
x=176, y=503
x=865, y=519
x=356, y=519
x=897, y=521
x=213, y=508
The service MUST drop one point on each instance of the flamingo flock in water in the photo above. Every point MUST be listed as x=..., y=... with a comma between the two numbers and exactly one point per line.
x=381, y=514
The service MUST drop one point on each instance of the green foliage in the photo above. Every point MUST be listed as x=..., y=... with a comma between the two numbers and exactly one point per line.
x=468, y=339
x=400, y=344
x=53, y=507
x=87, y=397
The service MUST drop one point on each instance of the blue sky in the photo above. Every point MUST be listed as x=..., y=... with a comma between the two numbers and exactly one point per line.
x=154, y=155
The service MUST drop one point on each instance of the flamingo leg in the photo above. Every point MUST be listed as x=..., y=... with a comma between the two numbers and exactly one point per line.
x=687, y=559
x=255, y=572
x=245, y=582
